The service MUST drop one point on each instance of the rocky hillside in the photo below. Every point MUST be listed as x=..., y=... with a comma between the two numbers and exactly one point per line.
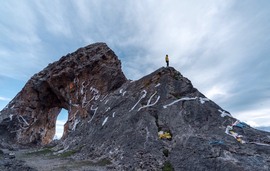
x=158, y=122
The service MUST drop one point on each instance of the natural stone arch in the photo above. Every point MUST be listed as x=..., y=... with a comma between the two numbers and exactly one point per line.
x=31, y=116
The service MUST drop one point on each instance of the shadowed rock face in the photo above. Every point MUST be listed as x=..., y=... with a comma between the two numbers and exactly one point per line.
x=118, y=120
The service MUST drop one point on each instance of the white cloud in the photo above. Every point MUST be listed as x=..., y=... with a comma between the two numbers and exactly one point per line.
x=215, y=92
x=221, y=46
x=59, y=130
x=21, y=45
x=255, y=117
x=4, y=98
x=56, y=17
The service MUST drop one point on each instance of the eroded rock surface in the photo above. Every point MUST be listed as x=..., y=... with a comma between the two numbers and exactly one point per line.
x=120, y=121
x=68, y=83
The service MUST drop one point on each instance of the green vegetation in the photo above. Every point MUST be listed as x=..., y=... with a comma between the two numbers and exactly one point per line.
x=167, y=166
x=49, y=151
x=43, y=151
x=79, y=164
x=70, y=152
x=67, y=153
x=103, y=162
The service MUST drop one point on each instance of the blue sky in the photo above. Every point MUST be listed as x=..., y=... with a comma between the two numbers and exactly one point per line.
x=221, y=46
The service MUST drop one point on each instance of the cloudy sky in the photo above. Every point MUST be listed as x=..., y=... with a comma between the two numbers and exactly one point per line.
x=222, y=46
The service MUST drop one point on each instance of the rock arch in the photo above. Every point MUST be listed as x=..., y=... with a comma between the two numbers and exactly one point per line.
x=31, y=116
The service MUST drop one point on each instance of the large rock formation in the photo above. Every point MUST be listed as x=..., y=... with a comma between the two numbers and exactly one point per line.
x=159, y=121
x=33, y=112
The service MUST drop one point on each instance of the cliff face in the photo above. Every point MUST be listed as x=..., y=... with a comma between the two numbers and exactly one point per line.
x=32, y=113
x=158, y=121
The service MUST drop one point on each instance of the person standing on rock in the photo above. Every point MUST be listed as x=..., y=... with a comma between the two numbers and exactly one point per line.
x=167, y=60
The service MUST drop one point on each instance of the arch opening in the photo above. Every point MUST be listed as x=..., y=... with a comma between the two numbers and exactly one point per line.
x=60, y=122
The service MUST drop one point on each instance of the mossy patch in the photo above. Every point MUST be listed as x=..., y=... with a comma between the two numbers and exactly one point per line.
x=68, y=153
x=44, y=151
x=167, y=166
x=103, y=162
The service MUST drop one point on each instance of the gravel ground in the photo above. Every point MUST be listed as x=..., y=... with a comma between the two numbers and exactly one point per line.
x=43, y=160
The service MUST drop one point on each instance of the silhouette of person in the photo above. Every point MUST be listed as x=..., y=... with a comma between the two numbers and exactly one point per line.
x=167, y=60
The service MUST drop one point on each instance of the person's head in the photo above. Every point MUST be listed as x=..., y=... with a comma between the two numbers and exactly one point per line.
x=166, y=55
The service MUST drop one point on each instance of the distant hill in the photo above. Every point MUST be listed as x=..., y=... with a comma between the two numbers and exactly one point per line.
x=263, y=128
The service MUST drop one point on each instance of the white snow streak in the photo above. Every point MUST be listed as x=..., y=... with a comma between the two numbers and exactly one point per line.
x=149, y=101
x=157, y=85
x=24, y=120
x=113, y=114
x=258, y=143
x=235, y=123
x=75, y=124
x=146, y=137
x=228, y=128
x=84, y=99
x=82, y=91
x=104, y=98
x=105, y=120
x=223, y=113
x=121, y=92
x=108, y=109
x=74, y=115
x=203, y=100
x=182, y=99
x=95, y=110
x=10, y=117
x=96, y=96
x=143, y=96
x=95, y=92
x=92, y=89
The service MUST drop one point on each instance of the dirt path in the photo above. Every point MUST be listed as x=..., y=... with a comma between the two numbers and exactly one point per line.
x=45, y=160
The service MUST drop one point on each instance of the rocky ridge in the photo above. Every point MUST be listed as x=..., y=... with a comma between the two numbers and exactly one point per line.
x=157, y=122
